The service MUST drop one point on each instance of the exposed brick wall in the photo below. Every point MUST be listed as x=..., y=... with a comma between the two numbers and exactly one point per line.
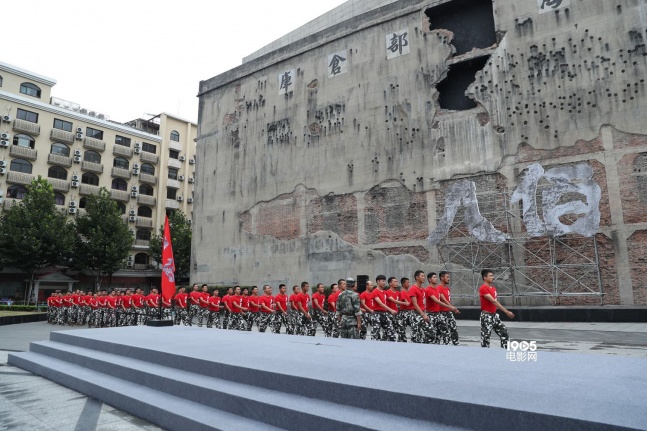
x=637, y=243
x=336, y=213
x=632, y=173
x=419, y=252
x=279, y=218
x=627, y=140
x=526, y=153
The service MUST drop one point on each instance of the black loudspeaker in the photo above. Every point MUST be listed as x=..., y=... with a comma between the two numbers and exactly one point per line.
x=361, y=283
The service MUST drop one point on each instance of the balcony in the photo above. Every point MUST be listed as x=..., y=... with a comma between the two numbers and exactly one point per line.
x=23, y=152
x=61, y=136
x=173, y=145
x=26, y=127
x=8, y=203
x=19, y=178
x=97, y=168
x=149, y=157
x=146, y=200
x=144, y=222
x=121, y=173
x=57, y=159
x=148, y=178
x=120, y=150
x=174, y=163
x=87, y=189
x=173, y=204
x=141, y=266
x=94, y=144
x=141, y=243
x=174, y=184
x=59, y=185
x=120, y=195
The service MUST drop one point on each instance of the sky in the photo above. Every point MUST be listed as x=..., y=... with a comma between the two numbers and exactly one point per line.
x=127, y=59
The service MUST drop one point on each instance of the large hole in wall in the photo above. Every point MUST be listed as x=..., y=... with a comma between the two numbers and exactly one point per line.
x=460, y=76
x=471, y=21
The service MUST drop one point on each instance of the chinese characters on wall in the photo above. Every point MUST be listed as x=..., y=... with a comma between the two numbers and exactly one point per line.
x=551, y=5
x=397, y=44
x=286, y=81
x=337, y=64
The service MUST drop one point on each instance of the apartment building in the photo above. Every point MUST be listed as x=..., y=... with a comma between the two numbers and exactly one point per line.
x=147, y=164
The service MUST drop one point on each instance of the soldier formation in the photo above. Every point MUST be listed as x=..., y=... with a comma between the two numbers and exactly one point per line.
x=388, y=306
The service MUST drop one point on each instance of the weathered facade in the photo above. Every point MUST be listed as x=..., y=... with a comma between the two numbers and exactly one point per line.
x=436, y=134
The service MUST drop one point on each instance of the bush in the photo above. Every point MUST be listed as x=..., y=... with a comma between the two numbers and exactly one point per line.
x=31, y=308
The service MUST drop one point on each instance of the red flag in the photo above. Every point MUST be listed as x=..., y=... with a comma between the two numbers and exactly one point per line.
x=168, y=264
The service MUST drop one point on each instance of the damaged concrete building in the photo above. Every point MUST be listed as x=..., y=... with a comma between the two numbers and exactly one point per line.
x=390, y=136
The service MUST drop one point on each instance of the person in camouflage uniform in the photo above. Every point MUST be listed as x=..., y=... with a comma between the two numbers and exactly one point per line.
x=349, y=311
x=384, y=315
x=451, y=310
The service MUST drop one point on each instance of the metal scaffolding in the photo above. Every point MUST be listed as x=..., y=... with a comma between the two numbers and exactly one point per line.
x=524, y=266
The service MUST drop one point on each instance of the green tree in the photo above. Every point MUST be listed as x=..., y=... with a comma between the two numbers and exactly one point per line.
x=103, y=240
x=34, y=235
x=181, y=241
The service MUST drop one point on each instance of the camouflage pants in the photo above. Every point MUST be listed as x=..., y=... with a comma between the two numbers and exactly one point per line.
x=348, y=327
x=333, y=323
x=140, y=316
x=110, y=318
x=490, y=321
x=251, y=318
x=213, y=318
x=419, y=328
x=382, y=321
x=153, y=312
x=225, y=319
x=294, y=317
x=124, y=317
x=93, y=317
x=438, y=330
x=203, y=315
x=451, y=327
x=279, y=319
x=182, y=316
x=166, y=313
x=263, y=320
x=319, y=317
x=367, y=319
x=237, y=322
x=194, y=310
x=308, y=326
x=402, y=320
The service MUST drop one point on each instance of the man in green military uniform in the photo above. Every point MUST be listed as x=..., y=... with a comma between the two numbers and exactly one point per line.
x=348, y=309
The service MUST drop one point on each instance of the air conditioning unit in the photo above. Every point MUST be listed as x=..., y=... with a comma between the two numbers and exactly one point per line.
x=129, y=264
x=135, y=171
x=5, y=136
x=6, y=118
x=77, y=159
x=75, y=177
x=72, y=204
x=71, y=210
x=138, y=144
x=191, y=162
x=189, y=200
x=138, y=150
x=191, y=180
x=79, y=130
x=133, y=188
x=182, y=158
x=79, y=136
x=133, y=194
x=136, y=165
x=180, y=199
x=3, y=171
x=75, y=184
x=132, y=212
x=132, y=218
x=3, y=164
x=180, y=178
x=77, y=152
x=4, y=143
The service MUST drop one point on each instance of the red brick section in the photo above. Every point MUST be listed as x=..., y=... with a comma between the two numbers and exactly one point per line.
x=632, y=174
x=526, y=153
x=336, y=213
x=627, y=140
x=246, y=221
x=419, y=252
x=230, y=119
x=279, y=218
x=637, y=244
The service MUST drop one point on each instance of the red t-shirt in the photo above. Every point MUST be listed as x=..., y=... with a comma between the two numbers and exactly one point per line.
x=137, y=300
x=244, y=301
x=112, y=301
x=332, y=301
x=180, y=299
x=165, y=303
x=227, y=300
x=214, y=303
x=377, y=293
x=236, y=299
x=205, y=299
x=76, y=299
x=294, y=299
x=368, y=299
x=281, y=302
x=394, y=294
x=485, y=304
x=305, y=301
x=432, y=306
x=445, y=292
x=126, y=299
x=67, y=301
x=152, y=300
x=404, y=297
x=419, y=294
x=86, y=299
x=268, y=301
x=102, y=301
x=254, y=303
x=321, y=300
x=195, y=297
x=93, y=303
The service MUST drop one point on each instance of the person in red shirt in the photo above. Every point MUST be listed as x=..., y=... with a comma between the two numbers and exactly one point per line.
x=50, y=308
x=383, y=317
x=67, y=309
x=137, y=305
x=281, y=315
x=153, y=304
x=437, y=327
x=319, y=313
x=181, y=307
x=307, y=324
x=74, y=308
x=167, y=308
x=111, y=309
x=203, y=303
x=332, y=309
x=252, y=315
x=266, y=308
x=237, y=311
x=394, y=298
x=489, y=318
x=126, y=309
x=295, y=313
x=86, y=307
x=367, y=304
x=448, y=310
x=102, y=302
x=95, y=314
x=419, y=319
x=214, y=309
x=194, y=302
x=226, y=303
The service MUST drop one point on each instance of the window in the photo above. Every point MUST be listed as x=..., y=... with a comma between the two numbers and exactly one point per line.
x=57, y=172
x=144, y=212
x=171, y=193
x=149, y=148
x=120, y=162
x=83, y=202
x=16, y=192
x=170, y=212
x=148, y=169
x=93, y=133
x=24, y=141
x=92, y=156
x=173, y=154
x=0, y=81
x=172, y=174
x=91, y=179
x=62, y=149
x=20, y=165
x=145, y=189
x=59, y=199
x=175, y=136
x=30, y=89
x=63, y=125
x=122, y=207
x=119, y=184
x=122, y=140
x=144, y=234
x=23, y=114
x=141, y=259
